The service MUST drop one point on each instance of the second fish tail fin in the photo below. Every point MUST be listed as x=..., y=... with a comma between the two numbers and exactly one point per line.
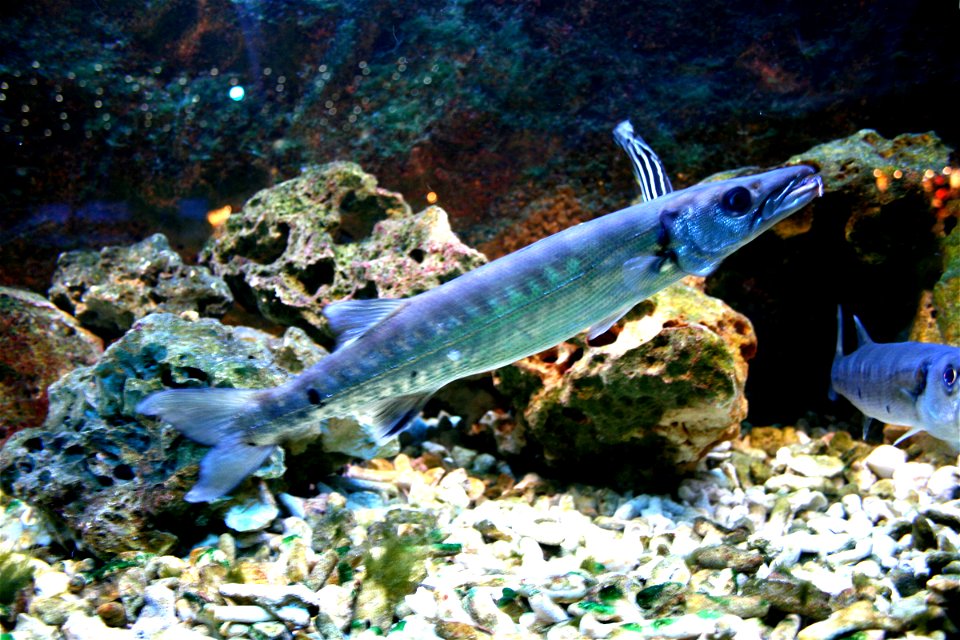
x=219, y=418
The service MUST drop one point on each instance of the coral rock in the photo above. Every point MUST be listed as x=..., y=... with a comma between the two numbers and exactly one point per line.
x=330, y=234
x=663, y=392
x=116, y=483
x=110, y=289
x=38, y=344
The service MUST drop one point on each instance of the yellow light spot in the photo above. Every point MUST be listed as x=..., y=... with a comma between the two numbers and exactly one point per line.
x=955, y=179
x=883, y=183
x=947, y=170
x=217, y=217
x=897, y=174
x=928, y=174
x=432, y=197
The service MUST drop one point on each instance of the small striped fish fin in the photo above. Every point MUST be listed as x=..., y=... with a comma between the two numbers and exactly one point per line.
x=350, y=319
x=647, y=168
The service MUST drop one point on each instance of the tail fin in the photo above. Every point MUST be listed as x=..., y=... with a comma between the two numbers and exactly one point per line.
x=219, y=418
x=831, y=393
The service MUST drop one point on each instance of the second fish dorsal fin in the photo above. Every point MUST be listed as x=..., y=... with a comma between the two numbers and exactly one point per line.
x=862, y=336
x=350, y=319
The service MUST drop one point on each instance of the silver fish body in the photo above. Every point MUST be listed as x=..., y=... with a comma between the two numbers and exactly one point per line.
x=393, y=354
x=913, y=384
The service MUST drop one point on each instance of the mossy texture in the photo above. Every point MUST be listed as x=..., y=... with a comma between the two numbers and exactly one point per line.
x=332, y=234
x=116, y=480
x=654, y=394
x=108, y=289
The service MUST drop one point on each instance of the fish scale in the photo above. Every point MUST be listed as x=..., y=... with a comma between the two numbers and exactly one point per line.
x=393, y=354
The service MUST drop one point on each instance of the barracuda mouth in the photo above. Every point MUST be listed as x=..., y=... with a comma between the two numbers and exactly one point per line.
x=794, y=196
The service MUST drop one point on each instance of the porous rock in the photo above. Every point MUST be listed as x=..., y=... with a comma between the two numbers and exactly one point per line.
x=862, y=168
x=946, y=292
x=655, y=393
x=329, y=234
x=108, y=290
x=888, y=181
x=38, y=344
x=116, y=481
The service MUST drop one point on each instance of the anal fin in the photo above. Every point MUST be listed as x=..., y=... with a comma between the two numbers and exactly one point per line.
x=392, y=416
x=604, y=325
x=225, y=466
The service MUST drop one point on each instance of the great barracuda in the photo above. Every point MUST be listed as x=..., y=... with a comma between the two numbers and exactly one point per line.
x=393, y=354
x=914, y=384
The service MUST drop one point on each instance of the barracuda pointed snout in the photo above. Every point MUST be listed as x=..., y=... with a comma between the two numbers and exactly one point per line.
x=792, y=188
x=715, y=219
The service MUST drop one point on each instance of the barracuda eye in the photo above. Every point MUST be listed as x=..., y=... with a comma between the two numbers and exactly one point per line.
x=950, y=376
x=737, y=200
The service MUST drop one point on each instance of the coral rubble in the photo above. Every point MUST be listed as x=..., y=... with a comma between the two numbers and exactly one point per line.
x=108, y=289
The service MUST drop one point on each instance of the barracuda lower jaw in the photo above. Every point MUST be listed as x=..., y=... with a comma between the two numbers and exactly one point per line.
x=794, y=196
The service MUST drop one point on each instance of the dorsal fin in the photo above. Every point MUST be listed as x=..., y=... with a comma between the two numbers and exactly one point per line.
x=647, y=168
x=350, y=319
x=832, y=393
x=862, y=336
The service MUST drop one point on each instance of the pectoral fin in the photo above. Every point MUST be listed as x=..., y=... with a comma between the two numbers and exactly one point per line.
x=351, y=319
x=909, y=434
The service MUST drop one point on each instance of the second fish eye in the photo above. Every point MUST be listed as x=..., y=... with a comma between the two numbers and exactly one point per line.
x=949, y=376
x=736, y=200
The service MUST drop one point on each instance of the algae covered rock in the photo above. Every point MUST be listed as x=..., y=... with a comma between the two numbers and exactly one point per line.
x=653, y=394
x=115, y=481
x=878, y=177
x=330, y=234
x=871, y=244
x=38, y=344
x=946, y=292
x=108, y=289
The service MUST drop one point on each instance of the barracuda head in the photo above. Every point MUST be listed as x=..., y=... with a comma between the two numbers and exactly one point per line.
x=702, y=225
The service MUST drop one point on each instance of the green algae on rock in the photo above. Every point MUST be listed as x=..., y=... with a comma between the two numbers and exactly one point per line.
x=654, y=394
x=946, y=292
x=117, y=483
x=38, y=344
x=108, y=289
x=331, y=234
x=871, y=243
